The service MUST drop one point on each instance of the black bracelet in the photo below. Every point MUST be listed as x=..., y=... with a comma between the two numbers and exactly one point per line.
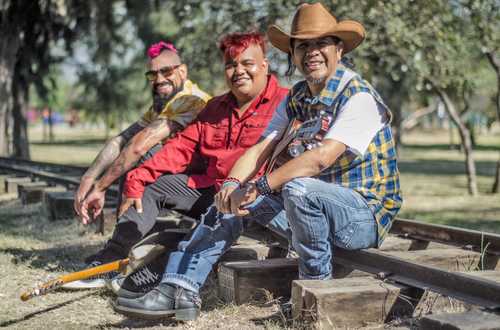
x=263, y=186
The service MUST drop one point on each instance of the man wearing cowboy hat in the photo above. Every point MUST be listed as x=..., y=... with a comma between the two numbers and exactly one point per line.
x=341, y=186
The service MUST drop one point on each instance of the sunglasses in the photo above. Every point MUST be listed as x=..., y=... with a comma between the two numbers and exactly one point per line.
x=165, y=72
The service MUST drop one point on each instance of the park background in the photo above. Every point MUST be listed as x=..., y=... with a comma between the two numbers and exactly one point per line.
x=72, y=75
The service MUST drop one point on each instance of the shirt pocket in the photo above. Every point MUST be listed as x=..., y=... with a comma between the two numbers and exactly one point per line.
x=252, y=132
x=215, y=136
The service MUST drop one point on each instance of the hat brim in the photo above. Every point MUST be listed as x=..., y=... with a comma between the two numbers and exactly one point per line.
x=351, y=33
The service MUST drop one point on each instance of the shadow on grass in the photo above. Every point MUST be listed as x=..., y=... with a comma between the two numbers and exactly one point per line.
x=66, y=258
x=492, y=226
x=79, y=142
x=444, y=167
x=45, y=310
x=445, y=146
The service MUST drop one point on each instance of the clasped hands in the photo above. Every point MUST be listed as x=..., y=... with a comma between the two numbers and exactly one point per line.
x=234, y=200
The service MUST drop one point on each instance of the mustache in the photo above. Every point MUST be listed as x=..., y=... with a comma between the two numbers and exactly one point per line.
x=314, y=58
x=164, y=83
x=235, y=78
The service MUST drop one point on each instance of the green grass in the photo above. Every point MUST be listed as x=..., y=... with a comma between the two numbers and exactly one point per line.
x=432, y=175
x=435, y=186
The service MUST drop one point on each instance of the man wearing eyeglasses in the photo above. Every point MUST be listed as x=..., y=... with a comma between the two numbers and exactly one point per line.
x=176, y=102
x=229, y=125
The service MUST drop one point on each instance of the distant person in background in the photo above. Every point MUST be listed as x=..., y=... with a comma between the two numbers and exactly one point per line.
x=176, y=102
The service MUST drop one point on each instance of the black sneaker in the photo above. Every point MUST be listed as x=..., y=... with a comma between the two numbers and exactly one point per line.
x=141, y=281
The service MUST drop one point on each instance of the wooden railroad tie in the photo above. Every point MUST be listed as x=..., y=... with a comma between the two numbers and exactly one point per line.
x=12, y=183
x=59, y=205
x=357, y=291
x=3, y=178
x=31, y=192
x=341, y=302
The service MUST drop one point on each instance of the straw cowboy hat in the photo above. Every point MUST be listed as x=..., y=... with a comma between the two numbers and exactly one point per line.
x=314, y=21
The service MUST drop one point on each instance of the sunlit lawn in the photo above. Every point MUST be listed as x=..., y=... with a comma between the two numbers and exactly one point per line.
x=432, y=174
x=435, y=186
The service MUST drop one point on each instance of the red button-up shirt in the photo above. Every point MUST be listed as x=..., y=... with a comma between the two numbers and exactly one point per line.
x=220, y=135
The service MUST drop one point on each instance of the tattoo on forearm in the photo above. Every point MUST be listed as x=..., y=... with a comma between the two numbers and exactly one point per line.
x=107, y=155
x=130, y=132
x=111, y=151
x=128, y=158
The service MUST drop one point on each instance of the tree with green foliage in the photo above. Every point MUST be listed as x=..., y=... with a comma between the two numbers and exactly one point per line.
x=28, y=31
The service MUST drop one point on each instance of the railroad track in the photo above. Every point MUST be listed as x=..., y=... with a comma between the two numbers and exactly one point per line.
x=411, y=264
x=66, y=175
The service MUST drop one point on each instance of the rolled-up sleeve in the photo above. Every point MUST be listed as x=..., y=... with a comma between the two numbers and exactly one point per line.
x=174, y=157
x=279, y=121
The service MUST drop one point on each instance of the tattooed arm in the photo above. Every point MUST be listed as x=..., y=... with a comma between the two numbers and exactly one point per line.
x=104, y=159
x=151, y=135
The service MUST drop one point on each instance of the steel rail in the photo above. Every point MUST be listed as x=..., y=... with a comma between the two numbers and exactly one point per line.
x=468, y=288
x=460, y=237
x=28, y=167
x=43, y=165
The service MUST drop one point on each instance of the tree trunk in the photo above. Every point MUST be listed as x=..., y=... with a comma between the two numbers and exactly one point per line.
x=495, y=187
x=20, y=128
x=495, y=63
x=470, y=166
x=9, y=45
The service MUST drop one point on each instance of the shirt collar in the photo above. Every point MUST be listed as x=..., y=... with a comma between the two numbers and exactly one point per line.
x=334, y=85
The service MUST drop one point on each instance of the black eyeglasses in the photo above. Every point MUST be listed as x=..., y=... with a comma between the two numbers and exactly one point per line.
x=165, y=72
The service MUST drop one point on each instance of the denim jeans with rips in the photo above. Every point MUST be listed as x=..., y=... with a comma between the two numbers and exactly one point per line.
x=312, y=214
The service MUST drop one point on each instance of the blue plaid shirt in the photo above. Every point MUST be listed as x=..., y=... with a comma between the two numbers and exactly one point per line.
x=375, y=174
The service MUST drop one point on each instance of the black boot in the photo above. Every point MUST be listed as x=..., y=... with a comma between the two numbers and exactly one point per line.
x=165, y=300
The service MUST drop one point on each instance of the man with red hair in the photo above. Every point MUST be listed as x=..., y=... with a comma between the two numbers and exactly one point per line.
x=229, y=125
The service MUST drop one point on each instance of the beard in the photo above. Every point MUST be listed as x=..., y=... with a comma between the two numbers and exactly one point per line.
x=315, y=81
x=160, y=100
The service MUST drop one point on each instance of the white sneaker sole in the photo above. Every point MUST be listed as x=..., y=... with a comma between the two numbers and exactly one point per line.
x=115, y=285
x=85, y=284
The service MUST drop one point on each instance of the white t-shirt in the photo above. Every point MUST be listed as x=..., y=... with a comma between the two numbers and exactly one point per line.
x=355, y=126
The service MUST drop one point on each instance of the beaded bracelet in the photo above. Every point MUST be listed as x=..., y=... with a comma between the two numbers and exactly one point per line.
x=231, y=182
x=263, y=186
x=227, y=184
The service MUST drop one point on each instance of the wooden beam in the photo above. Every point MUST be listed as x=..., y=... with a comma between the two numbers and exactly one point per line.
x=471, y=239
x=464, y=287
x=59, y=205
x=351, y=302
x=244, y=281
x=31, y=192
x=11, y=184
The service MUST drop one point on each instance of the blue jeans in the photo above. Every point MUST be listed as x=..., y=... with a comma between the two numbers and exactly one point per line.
x=319, y=214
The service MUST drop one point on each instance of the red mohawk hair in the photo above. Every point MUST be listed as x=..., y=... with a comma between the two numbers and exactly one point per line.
x=234, y=44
